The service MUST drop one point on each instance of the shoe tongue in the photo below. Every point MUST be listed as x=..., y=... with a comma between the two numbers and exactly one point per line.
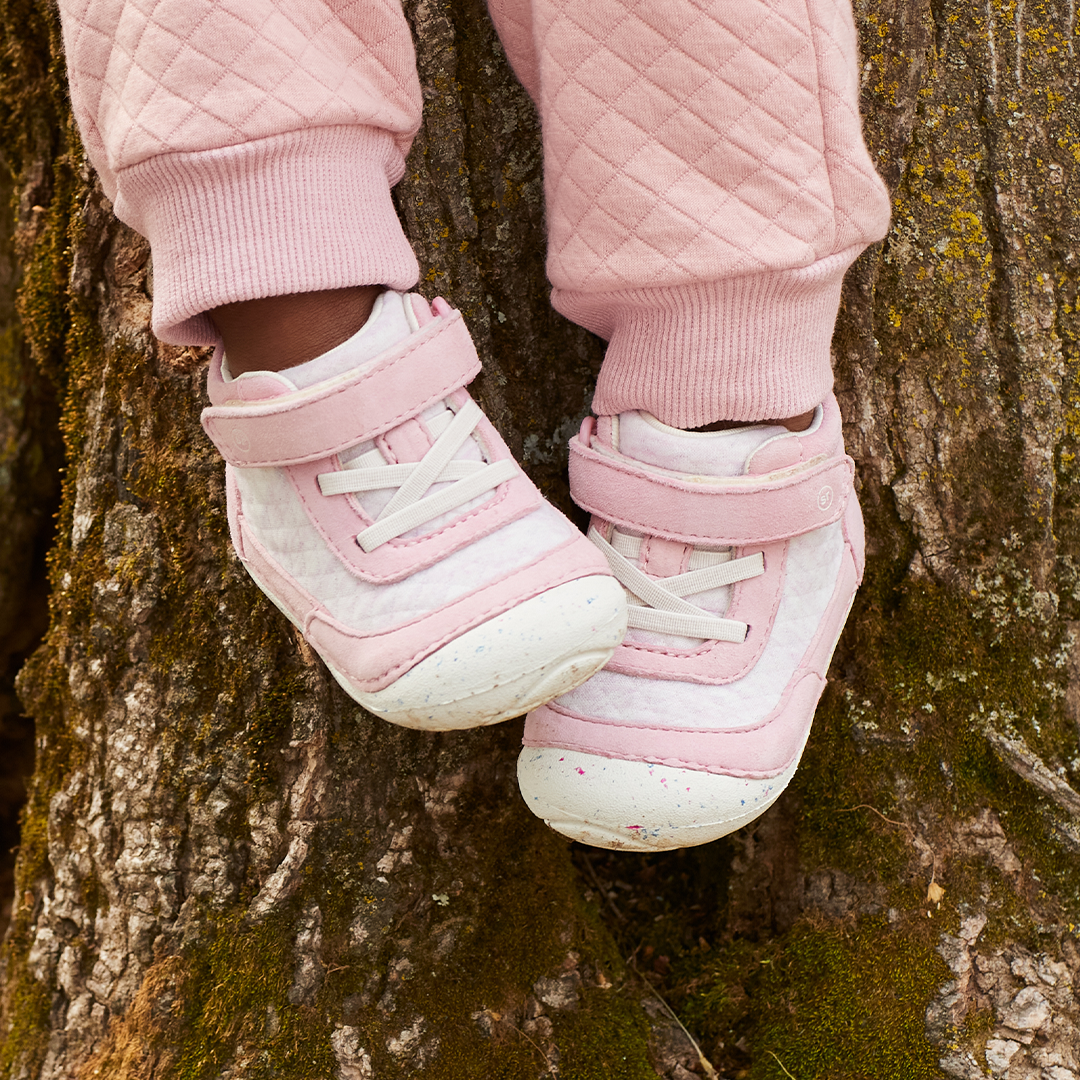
x=389, y=324
x=696, y=453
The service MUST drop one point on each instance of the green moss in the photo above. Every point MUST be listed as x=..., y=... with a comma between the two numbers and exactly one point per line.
x=235, y=994
x=606, y=1043
x=842, y=1002
x=975, y=1032
x=29, y=1004
x=846, y=1001
x=267, y=727
x=224, y=997
x=495, y=955
x=232, y=996
x=909, y=730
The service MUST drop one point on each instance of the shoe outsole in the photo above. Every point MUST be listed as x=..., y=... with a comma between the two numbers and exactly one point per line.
x=508, y=665
x=636, y=805
x=503, y=702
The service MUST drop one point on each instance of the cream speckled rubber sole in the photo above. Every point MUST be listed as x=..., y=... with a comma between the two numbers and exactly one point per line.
x=660, y=808
x=569, y=633
x=510, y=664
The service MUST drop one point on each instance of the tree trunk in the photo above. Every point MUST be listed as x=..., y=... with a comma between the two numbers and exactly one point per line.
x=228, y=869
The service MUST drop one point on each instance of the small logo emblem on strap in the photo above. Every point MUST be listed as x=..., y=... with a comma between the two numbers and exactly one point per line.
x=824, y=498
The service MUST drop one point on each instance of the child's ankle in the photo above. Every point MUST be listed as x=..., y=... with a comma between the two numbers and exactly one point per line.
x=792, y=423
x=278, y=332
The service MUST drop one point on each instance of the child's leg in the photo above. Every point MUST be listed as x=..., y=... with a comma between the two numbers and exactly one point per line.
x=255, y=144
x=707, y=186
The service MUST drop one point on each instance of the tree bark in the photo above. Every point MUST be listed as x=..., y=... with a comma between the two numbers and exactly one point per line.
x=228, y=869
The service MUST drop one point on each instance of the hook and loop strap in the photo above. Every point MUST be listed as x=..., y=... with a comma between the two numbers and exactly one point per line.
x=296, y=427
x=731, y=512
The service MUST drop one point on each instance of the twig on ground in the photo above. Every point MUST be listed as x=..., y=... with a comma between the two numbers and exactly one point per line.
x=539, y=1049
x=703, y=1061
x=932, y=885
x=778, y=1061
x=867, y=806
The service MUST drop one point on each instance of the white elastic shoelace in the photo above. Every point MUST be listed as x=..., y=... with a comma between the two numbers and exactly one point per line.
x=661, y=606
x=408, y=508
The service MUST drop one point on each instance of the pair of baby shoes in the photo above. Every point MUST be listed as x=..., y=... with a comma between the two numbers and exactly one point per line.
x=670, y=663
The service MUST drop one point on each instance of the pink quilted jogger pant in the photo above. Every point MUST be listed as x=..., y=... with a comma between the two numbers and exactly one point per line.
x=706, y=178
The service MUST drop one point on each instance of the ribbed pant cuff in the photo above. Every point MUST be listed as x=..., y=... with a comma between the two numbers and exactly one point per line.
x=751, y=348
x=299, y=212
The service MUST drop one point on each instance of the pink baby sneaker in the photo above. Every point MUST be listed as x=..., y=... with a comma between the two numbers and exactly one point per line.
x=373, y=502
x=740, y=552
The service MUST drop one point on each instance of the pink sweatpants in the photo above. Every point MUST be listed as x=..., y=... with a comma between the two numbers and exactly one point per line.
x=706, y=179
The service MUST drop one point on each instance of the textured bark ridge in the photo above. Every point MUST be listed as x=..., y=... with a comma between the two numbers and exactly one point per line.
x=227, y=869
